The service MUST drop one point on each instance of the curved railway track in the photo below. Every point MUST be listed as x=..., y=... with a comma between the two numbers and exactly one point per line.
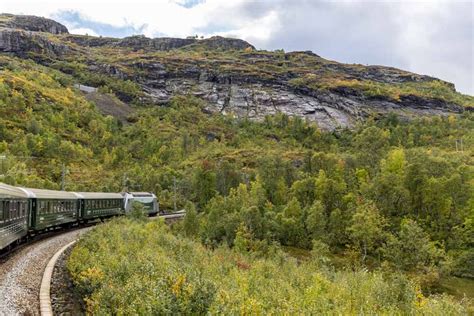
x=21, y=272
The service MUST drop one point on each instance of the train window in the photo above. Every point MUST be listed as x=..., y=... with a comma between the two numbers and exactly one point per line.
x=6, y=210
x=1, y=211
x=13, y=209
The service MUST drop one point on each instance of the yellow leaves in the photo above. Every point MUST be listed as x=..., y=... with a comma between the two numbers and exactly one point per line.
x=420, y=299
x=92, y=275
x=251, y=307
x=178, y=285
x=452, y=119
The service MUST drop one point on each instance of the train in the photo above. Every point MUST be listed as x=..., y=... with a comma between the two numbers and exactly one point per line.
x=25, y=212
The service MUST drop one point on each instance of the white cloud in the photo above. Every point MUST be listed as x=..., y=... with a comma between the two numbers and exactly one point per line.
x=428, y=37
x=83, y=31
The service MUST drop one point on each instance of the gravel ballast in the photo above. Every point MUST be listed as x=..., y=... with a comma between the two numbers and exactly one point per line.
x=21, y=274
x=64, y=299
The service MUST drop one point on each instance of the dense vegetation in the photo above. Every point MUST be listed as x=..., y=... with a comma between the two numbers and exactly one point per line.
x=125, y=267
x=390, y=195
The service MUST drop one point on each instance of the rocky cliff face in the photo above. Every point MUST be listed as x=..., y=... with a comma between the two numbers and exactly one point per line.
x=23, y=42
x=32, y=23
x=256, y=100
x=232, y=76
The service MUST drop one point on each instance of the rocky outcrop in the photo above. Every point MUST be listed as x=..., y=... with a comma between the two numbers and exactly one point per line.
x=254, y=96
x=160, y=44
x=140, y=42
x=330, y=110
x=90, y=41
x=246, y=82
x=32, y=23
x=24, y=42
x=224, y=43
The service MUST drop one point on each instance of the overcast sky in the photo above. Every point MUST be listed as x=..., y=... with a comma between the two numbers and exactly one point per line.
x=428, y=37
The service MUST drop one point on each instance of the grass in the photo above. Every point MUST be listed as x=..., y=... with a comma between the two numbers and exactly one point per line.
x=460, y=288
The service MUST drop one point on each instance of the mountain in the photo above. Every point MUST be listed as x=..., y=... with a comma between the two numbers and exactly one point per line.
x=231, y=75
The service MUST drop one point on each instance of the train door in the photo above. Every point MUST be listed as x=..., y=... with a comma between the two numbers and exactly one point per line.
x=33, y=207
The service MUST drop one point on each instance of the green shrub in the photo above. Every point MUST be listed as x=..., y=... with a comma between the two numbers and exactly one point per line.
x=127, y=267
x=138, y=212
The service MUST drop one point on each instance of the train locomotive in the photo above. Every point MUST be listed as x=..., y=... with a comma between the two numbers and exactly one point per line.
x=26, y=212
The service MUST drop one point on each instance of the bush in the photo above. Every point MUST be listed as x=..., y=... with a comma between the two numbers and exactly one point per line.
x=127, y=267
x=138, y=212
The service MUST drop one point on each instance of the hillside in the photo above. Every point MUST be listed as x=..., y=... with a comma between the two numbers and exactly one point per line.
x=231, y=75
x=254, y=145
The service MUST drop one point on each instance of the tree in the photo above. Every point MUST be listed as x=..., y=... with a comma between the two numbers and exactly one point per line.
x=371, y=144
x=329, y=191
x=292, y=229
x=316, y=221
x=389, y=188
x=204, y=184
x=191, y=221
x=243, y=239
x=412, y=248
x=304, y=190
x=367, y=228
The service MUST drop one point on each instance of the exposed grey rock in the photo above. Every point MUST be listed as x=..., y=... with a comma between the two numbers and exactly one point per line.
x=141, y=42
x=329, y=109
x=91, y=41
x=228, y=85
x=219, y=42
x=159, y=44
x=22, y=42
x=33, y=23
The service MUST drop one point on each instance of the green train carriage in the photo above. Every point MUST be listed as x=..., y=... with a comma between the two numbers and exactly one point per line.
x=51, y=208
x=93, y=205
x=14, y=213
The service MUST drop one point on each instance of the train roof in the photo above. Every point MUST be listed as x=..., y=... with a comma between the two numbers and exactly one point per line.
x=142, y=194
x=98, y=195
x=11, y=191
x=49, y=194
